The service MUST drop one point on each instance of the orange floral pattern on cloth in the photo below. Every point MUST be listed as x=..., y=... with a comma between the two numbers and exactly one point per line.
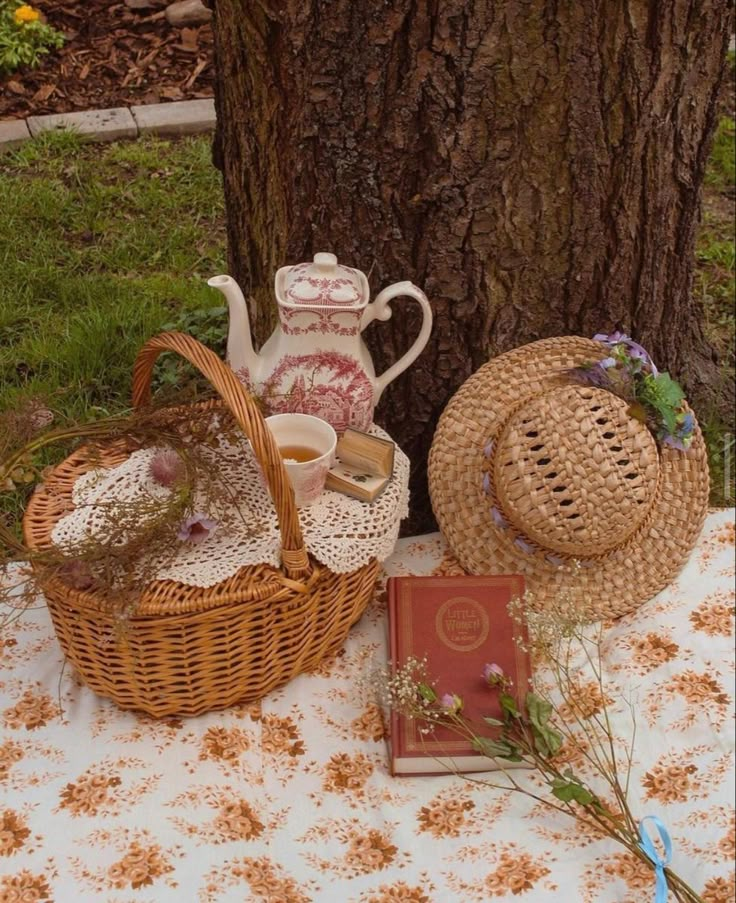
x=290, y=800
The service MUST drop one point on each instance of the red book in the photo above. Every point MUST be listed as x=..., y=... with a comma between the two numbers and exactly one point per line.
x=458, y=624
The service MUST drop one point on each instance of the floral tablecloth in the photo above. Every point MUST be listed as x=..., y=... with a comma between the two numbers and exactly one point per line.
x=291, y=801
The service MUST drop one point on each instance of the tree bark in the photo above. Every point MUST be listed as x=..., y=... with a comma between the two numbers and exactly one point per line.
x=535, y=166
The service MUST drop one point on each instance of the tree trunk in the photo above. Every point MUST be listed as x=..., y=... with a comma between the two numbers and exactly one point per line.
x=535, y=166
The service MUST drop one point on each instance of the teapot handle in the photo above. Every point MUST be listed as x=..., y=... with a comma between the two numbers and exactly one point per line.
x=380, y=310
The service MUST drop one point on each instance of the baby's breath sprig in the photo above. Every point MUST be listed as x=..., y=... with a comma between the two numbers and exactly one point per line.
x=553, y=726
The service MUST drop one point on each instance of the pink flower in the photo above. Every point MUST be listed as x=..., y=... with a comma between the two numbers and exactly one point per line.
x=451, y=703
x=196, y=528
x=493, y=675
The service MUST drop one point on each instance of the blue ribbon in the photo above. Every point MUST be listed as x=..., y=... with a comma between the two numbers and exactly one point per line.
x=647, y=845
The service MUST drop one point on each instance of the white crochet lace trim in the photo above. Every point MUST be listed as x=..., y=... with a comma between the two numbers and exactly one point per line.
x=340, y=532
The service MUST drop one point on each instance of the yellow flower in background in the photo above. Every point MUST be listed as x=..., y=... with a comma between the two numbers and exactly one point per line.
x=25, y=14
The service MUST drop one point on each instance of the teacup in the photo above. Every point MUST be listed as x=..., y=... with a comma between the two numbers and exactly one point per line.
x=307, y=445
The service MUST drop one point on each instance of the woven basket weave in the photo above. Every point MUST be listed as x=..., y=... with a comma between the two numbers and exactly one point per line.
x=188, y=650
x=531, y=475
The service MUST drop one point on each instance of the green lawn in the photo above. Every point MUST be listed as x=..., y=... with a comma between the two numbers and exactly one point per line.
x=102, y=246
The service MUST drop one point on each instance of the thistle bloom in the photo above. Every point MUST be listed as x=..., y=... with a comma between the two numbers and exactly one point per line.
x=167, y=468
x=196, y=528
x=25, y=14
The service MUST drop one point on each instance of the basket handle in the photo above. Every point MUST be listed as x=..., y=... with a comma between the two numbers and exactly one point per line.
x=240, y=402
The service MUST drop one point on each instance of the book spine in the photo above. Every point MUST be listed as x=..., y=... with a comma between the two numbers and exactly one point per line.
x=393, y=654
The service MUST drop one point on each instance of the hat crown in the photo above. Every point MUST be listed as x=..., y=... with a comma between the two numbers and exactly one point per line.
x=574, y=472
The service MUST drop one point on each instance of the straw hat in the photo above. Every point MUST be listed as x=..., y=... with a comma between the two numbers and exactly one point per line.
x=530, y=473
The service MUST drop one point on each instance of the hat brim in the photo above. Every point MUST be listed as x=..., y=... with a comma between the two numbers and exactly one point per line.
x=608, y=587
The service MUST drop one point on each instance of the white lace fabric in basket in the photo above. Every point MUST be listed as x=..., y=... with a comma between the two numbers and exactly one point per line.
x=340, y=532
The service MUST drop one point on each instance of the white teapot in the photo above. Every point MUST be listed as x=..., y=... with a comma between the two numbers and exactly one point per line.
x=315, y=362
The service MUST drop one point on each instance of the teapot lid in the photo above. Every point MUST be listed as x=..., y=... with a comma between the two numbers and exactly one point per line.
x=324, y=283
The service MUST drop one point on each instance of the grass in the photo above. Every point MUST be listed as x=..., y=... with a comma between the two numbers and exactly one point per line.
x=100, y=248
x=103, y=246
x=715, y=286
x=722, y=167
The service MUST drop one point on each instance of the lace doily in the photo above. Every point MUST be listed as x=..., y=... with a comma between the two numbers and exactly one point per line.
x=340, y=532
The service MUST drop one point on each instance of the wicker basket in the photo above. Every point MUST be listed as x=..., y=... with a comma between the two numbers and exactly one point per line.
x=189, y=650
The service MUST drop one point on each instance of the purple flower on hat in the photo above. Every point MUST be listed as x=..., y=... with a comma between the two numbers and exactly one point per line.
x=674, y=442
x=593, y=374
x=486, y=482
x=683, y=435
x=632, y=351
x=615, y=338
x=637, y=353
x=196, y=529
x=524, y=545
x=498, y=519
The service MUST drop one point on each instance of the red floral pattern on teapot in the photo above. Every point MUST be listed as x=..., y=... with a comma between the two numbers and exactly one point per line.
x=315, y=362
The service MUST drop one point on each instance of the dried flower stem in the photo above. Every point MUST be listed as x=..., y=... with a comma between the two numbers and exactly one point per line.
x=536, y=733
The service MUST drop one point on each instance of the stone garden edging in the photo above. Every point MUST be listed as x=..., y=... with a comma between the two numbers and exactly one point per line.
x=181, y=117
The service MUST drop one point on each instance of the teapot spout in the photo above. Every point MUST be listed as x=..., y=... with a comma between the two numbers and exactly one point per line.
x=240, y=353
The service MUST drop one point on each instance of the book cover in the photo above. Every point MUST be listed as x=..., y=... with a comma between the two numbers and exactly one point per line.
x=459, y=623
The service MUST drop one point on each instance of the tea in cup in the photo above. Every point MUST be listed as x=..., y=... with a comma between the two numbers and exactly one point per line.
x=307, y=445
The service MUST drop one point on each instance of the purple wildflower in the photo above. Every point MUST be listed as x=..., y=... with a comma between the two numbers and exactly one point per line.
x=683, y=435
x=498, y=519
x=674, y=442
x=196, y=528
x=592, y=374
x=615, y=338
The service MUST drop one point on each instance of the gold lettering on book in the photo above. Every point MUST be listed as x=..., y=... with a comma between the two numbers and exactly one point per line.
x=462, y=624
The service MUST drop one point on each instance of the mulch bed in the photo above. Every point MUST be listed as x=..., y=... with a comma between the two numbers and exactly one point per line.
x=113, y=57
